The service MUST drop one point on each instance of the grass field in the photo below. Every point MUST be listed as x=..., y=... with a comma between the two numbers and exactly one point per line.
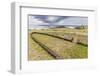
x=65, y=49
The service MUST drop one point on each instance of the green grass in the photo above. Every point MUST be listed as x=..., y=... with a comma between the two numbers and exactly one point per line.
x=66, y=49
x=35, y=52
x=63, y=48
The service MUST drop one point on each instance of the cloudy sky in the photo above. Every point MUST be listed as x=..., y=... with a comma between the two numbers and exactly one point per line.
x=38, y=21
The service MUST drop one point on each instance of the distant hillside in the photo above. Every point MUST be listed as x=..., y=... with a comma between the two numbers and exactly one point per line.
x=59, y=26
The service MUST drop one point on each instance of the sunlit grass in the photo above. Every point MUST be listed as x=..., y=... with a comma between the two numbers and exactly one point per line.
x=66, y=49
x=63, y=48
x=35, y=52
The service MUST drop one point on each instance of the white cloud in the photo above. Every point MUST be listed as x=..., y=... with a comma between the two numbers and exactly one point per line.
x=73, y=21
x=33, y=22
x=52, y=18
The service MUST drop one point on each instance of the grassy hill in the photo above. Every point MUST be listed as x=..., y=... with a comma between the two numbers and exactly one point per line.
x=65, y=49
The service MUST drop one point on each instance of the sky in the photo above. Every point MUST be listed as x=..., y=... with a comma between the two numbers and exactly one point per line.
x=41, y=21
